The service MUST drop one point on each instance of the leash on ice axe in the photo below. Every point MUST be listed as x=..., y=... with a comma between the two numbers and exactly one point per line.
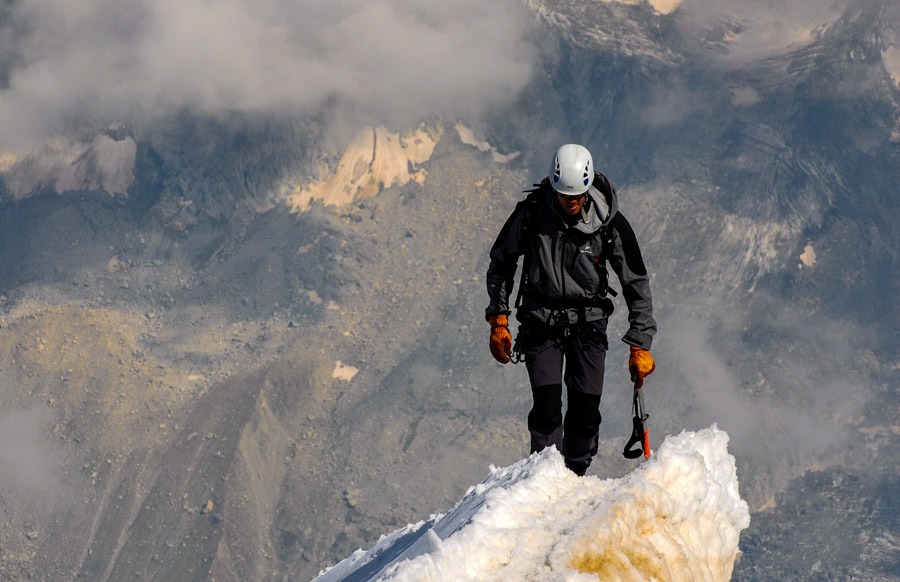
x=640, y=433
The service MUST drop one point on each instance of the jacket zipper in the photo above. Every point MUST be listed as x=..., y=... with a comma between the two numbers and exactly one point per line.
x=562, y=266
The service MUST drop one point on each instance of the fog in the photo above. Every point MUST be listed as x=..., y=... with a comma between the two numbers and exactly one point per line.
x=805, y=408
x=98, y=62
x=764, y=27
x=27, y=462
x=139, y=61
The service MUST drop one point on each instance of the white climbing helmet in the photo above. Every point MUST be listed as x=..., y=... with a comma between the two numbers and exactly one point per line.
x=572, y=170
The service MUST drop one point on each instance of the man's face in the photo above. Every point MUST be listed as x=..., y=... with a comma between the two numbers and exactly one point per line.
x=571, y=205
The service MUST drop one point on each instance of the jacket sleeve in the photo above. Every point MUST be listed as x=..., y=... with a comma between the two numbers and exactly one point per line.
x=505, y=253
x=628, y=264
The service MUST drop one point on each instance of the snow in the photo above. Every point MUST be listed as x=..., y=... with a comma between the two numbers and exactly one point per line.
x=891, y=58
x=103, y=163
x=376, y=158
x=808, y=256
x=344, y=372
x=661, y=6
x=467, y=136
x=678, y=516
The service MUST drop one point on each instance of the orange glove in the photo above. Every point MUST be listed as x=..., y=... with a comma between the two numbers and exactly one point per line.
x=501, y=339
x=640, y=364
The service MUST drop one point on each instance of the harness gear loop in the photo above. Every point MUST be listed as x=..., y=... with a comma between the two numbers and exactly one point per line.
x=517, y=356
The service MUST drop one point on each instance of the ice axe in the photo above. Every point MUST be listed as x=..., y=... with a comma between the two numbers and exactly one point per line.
x=640, y=433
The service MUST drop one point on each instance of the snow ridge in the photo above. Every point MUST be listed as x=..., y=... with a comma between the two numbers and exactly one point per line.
x=676, y=517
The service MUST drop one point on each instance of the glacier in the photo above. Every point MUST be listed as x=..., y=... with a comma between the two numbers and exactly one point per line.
x=678, y=516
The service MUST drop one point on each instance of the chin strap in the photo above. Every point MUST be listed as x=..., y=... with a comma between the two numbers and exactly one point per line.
x=640, y=433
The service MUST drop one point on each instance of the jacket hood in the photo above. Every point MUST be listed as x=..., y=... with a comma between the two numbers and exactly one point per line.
x=604, y=204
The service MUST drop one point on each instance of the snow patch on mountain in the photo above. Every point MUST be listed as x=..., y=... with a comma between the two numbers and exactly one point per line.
x=376, y=158
x=467, y=136
x=344, y=371
x=808, y=256
x=661, y=6
x=891, y=58
x=65, y=164
x=624, y=27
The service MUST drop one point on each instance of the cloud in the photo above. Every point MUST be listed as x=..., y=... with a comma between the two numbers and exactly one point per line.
x=767, y=27
x=789, y=388
x=799, y=406
x=144, y=60
x=670, y=103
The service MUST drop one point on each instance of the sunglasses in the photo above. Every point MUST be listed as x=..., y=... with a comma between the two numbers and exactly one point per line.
x=571, y=197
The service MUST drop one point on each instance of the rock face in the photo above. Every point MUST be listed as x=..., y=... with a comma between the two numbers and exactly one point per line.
x=207, y=378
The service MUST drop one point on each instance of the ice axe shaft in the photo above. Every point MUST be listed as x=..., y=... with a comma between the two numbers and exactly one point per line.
x=640, y=431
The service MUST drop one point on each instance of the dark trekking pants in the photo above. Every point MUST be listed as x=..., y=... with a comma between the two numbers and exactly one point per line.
x=582, y=349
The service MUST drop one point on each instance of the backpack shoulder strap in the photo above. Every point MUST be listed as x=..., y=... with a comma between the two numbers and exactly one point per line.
x=530, y=208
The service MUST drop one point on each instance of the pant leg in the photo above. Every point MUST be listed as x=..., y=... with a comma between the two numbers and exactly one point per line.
x=544, y=361
x=545, y=419
x=581, y=428
x=585, y=353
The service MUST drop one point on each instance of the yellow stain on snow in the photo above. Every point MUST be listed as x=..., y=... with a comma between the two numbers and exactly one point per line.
x=644, y=541
x=617, y=553
x=376, y=158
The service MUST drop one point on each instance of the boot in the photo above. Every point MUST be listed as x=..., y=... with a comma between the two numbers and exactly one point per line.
x=578, y=468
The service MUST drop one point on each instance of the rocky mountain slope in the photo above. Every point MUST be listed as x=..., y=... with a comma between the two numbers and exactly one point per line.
x=219, y=375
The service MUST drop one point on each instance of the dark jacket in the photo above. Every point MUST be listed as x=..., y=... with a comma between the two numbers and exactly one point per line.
x=565, y=263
